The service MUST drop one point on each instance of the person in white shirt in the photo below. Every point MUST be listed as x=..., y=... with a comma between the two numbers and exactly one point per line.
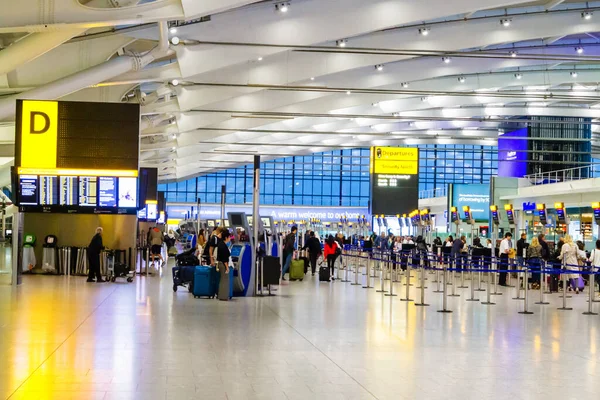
x=568, y=255
x=489, y=244
x=505, y=247
x=595, y=261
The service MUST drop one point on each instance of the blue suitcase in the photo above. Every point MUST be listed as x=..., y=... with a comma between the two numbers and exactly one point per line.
x=204, y=282
x=231, y=279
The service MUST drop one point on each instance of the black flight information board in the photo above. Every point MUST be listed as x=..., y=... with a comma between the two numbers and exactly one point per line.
x=78, y=194
x=394, y=180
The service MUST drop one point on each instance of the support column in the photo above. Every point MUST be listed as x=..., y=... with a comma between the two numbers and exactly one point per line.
x=255, y=216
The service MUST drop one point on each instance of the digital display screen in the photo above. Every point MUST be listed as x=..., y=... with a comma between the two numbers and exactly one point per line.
x=49, y=192
x=143, y=213
x=68, y=191
x=511, y=217
x=161, y=217
x=88, y=191
x=210, y=223
x=249, y=219
x=597, y=215
x=152, y=212
x=236, y=219
x=236, y=250
x=474, y=196
x=28, y=190
x=395, y=180
x=127, y=192
x=512, y=154
x=266, y=222
x=544, y=218
x=560, y=214
x=495, y=217
x=107, y=193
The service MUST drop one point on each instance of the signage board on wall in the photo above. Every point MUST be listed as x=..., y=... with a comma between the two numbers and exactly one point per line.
x=474, y=196
x=512, y=154
x=394, y=180
x=66, y=159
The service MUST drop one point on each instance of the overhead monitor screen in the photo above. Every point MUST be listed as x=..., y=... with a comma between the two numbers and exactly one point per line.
x=68, y=191
x=143, y=213
x=152, y=212
x=249, y=218
x=28, y=190
x=236, y=220
x=49, y=191
x=266, y=222
x=87, y=191
x=210, y=223
x=127, y=192
x=107, y=193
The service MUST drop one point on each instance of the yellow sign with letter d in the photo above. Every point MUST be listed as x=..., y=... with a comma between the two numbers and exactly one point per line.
x=39, y=134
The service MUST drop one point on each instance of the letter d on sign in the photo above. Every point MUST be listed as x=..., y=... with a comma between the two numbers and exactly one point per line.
x=32, y=125
x=39, y=134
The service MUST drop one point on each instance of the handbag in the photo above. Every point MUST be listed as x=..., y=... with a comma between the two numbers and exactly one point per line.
x=512, y=253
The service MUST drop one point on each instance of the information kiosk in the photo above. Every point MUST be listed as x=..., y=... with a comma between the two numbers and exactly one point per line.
x=244, y=253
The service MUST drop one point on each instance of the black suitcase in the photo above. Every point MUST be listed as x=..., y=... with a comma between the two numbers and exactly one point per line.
x=324, y=274
x=306, y=264
x=272, y=270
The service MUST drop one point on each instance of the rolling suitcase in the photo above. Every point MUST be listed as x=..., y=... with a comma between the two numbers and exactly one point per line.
x=204, y=282
x=297, y=270
x=324, y=274
x=218, y=284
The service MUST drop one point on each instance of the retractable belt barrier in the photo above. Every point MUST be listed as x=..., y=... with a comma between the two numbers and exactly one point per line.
x=390, y=262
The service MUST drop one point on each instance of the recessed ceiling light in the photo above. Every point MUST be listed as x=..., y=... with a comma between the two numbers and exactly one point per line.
x=173, y=148
x=424, y=31
x=462, y=79
x=282, y=7
x=396, y=114
x=587, y=15
x=375, y=104
x=341, y=43
x=312, y=78
x=579, y=50
x=348, y=92
x=379, y=67
x=259, y=58
x=175, y=40
x=446, y=60
x=513, y=53
x=574, y=74
x=405, y=85
x=175, y=82
x=173, y=30
x=174, y=136
x=424, y=99
x=505, y=22
x=518, y=76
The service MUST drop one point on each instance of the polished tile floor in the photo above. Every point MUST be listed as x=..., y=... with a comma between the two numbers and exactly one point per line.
x=63, y=338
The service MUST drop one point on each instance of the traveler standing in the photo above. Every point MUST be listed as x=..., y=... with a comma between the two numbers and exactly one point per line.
x=331, y=253
x=534, y=259
x=457, y=248
x=156, y=242
x=314, y=250
x=223, y=255
x=568, y=254
x=545, y=247
x=521, y=249
x=506, y=246
x=595, y=263
x=209, y=250
x=93, y=252
x=289, y=245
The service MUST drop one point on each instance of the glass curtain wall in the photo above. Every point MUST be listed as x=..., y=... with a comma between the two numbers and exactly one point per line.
x=333, y=178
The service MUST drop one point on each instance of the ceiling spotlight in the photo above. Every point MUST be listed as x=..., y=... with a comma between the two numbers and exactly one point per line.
x=173, y=30
x=587, y=15
x=259, y=58
x=574, y=74
x=462, y=79
x=424, y=99
x=424, y=31
x=312, y=78
x=379, y=67
x=396, y=114
x=282, y=7
x=174, y=82
x=348, y=93
x=375, y=104
x=174, y=136
x=446, y=60
x=505, y=22
x=341, y=43
x=173, y=148
x=579, y=50
x=404, y=85
x=518, y=76
x=411, y=124
x=175, y=40
x=513, y=53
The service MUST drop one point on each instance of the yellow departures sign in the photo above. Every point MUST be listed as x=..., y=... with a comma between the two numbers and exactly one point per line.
x=39, y=134
x=395, y=160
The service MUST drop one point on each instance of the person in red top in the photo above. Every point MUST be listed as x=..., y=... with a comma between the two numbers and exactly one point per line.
x=331, y=253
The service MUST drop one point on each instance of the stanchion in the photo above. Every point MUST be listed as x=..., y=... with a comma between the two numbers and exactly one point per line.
x=480, y=265
x=488, y=301
x=408, y=263
x=445, y=298
x=564, y=296
x=356, y=270
x=542, y=284
x=422, y=303
x=381, y=276
x=472, y=286
x=462, y=273
x=368, y=285
x=526, y=290
x=518, y=285
x=454, y=294
x=592, y=289
x=394, y=267
x=346, y=259
x=495, y=278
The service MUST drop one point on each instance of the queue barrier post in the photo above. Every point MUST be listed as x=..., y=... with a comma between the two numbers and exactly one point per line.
x=382, y=268
x=526, y=291
x=518, y=285
x=543, y=283
x=454, y=294
x=394, y=269
x=491, y=276
x=479, y=275
x=592, y=289
x=368, y=285
x=345, y=262
x=564, y=296
x=494, y=276
x=445, y=295
x=472, y=285
x=407, y=275
x=356, y=269
x=463, y=261
x=422, y=303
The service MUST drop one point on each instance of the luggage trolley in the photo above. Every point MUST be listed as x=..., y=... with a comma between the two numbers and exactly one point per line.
x=116, y=269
